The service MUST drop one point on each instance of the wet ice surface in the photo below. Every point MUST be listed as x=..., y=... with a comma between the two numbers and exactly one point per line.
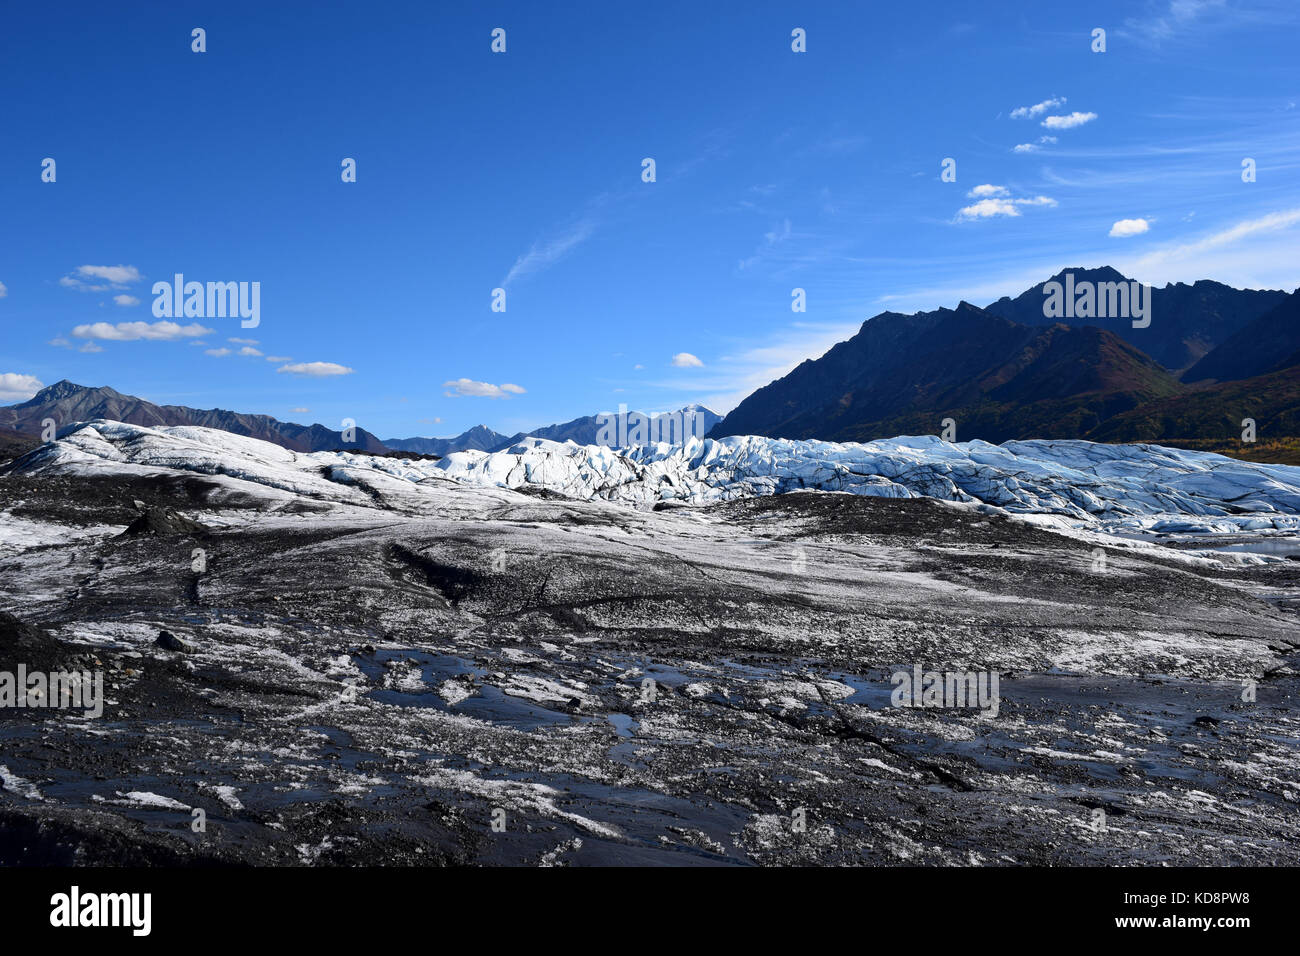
x=369, y=685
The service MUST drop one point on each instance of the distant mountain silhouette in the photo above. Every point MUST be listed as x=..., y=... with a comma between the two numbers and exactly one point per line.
x=478, y=438
x=586, y=430
x=66, y=402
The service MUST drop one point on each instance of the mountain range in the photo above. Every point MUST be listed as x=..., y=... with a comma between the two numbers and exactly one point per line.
x=1211, y=356
x=66, y=402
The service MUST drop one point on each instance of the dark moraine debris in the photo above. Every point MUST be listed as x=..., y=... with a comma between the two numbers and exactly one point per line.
x=22, y=643
x=170, y=642
x=165, y=522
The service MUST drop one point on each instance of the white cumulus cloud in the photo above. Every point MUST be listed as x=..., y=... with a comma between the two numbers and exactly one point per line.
x=16, y=387
x=1069, y=120
x=467, y=386
x=101, y=278
x=1001, y=206
x=686, y=360
x=1129, y=227
x=125, y=299
x=162, y=331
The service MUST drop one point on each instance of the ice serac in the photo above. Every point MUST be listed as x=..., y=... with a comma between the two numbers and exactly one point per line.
x=1086, y=481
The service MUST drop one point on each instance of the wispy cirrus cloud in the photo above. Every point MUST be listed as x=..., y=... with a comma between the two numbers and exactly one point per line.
x=1038, y=109
x=1172, y=21
x=1034, y=147
x=545, y=253
x=774, y=237
x=315, y=369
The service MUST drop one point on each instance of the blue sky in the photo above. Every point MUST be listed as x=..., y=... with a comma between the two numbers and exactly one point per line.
x=475, y=170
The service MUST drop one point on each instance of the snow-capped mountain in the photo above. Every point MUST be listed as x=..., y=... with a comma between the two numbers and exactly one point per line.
x=582, y=431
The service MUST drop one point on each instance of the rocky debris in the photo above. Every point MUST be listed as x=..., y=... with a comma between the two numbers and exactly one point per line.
x=166, y=523
x=21, y=643
x=170, y=642
x=705, y=685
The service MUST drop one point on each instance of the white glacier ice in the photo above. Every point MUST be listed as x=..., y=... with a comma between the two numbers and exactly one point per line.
x=1111, y=488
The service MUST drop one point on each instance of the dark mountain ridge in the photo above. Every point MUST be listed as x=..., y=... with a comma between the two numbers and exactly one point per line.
x=1001, y=378
x=66, y=402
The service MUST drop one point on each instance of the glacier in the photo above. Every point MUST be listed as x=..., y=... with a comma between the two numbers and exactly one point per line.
x=1115, y=489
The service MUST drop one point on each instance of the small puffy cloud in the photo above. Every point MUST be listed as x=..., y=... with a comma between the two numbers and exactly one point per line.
x=686, y=360
x=279, y=358
x=3, y=291
x=125, y=299
x=1038, y=109
x=299, y=411
x=243, y=341
x=162, y=331
x=119, y=275
x=1069, y=121
x=91, y=347
x=315, y=369
x=1034, y=147
x=980, y=192
x=61, y=342
x=1129, y=227
x=100, y=278
x=16, y=387
x=1001, y=206
x=988, y=208
x=250, y=351
x=467, y=386
x=217, y=353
